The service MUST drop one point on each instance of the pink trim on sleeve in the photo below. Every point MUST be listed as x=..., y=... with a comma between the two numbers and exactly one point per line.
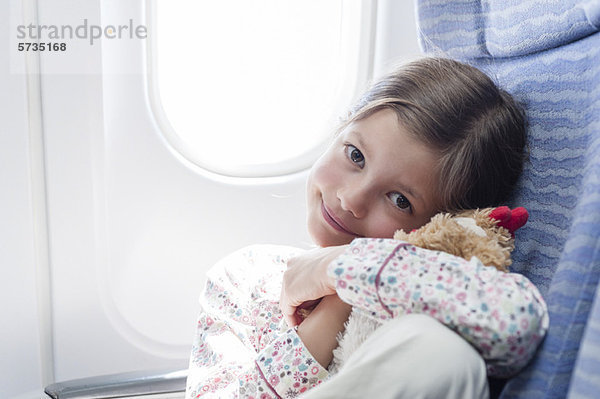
x=265, y=380
x=378, y=276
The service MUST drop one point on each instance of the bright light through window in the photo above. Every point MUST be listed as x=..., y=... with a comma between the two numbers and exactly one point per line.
x=251, y=85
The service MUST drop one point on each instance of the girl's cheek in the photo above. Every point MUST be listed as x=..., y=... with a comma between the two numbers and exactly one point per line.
x=326, y=170
x=385, y=228
x=385, y=223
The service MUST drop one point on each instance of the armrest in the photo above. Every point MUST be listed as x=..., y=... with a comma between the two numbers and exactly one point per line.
x=151, y=384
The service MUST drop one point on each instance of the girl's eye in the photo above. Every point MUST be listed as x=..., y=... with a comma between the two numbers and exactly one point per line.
x=399, y=200
x=355, y=155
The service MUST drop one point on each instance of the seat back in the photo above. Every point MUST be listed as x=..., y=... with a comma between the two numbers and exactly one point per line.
x=547, y=54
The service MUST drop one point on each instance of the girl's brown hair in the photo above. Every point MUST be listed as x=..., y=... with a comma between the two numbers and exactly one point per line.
x=477, y=128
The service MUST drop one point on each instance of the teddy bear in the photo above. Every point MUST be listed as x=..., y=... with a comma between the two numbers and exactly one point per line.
x=487, y=234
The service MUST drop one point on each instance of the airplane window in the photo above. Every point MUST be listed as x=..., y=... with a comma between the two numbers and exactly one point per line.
x=253, y=88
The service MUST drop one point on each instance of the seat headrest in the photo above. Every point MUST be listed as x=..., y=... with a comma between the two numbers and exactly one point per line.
x=504, y=28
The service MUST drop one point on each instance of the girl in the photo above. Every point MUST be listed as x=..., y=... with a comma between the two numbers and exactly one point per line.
x=434, y=135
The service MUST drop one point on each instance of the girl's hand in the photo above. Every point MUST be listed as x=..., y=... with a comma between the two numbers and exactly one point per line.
x=306, y=279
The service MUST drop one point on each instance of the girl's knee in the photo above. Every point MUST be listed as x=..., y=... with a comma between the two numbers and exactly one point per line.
x=415, y=356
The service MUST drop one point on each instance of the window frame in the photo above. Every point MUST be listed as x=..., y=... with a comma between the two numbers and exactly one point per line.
x=361, y=54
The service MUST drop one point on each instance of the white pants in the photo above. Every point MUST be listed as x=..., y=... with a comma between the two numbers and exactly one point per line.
x=412, y=357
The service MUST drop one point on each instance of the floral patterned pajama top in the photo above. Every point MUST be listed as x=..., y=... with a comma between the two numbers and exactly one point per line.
x=243, y=348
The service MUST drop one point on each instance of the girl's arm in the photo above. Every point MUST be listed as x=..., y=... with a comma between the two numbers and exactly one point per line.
x=501, y=314
x=320, y=329
x=221, y=364
x=297, y=360
x=240, y=349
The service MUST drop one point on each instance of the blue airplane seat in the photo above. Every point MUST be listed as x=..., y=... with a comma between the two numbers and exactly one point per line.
x=547, y=54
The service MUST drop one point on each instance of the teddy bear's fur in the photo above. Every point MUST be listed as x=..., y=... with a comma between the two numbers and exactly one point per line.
x=471, y=233
x=456, y=235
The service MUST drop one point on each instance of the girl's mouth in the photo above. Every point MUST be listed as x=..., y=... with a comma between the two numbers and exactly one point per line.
x=334, y=222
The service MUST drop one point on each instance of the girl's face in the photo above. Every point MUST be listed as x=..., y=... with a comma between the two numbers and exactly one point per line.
x=373, y=180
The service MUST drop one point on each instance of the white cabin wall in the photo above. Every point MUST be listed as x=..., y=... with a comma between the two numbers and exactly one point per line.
x=134, y=226
x=396, y=37
x=21, y=331
x=86, y=341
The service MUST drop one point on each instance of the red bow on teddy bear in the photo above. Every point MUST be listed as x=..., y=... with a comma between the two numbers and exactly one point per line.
x=511, y=220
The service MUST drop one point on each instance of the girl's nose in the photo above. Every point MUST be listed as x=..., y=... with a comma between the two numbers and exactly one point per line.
x=354, y=200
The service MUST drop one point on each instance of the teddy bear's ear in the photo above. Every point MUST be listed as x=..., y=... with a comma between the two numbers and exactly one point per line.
x=511, y=220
